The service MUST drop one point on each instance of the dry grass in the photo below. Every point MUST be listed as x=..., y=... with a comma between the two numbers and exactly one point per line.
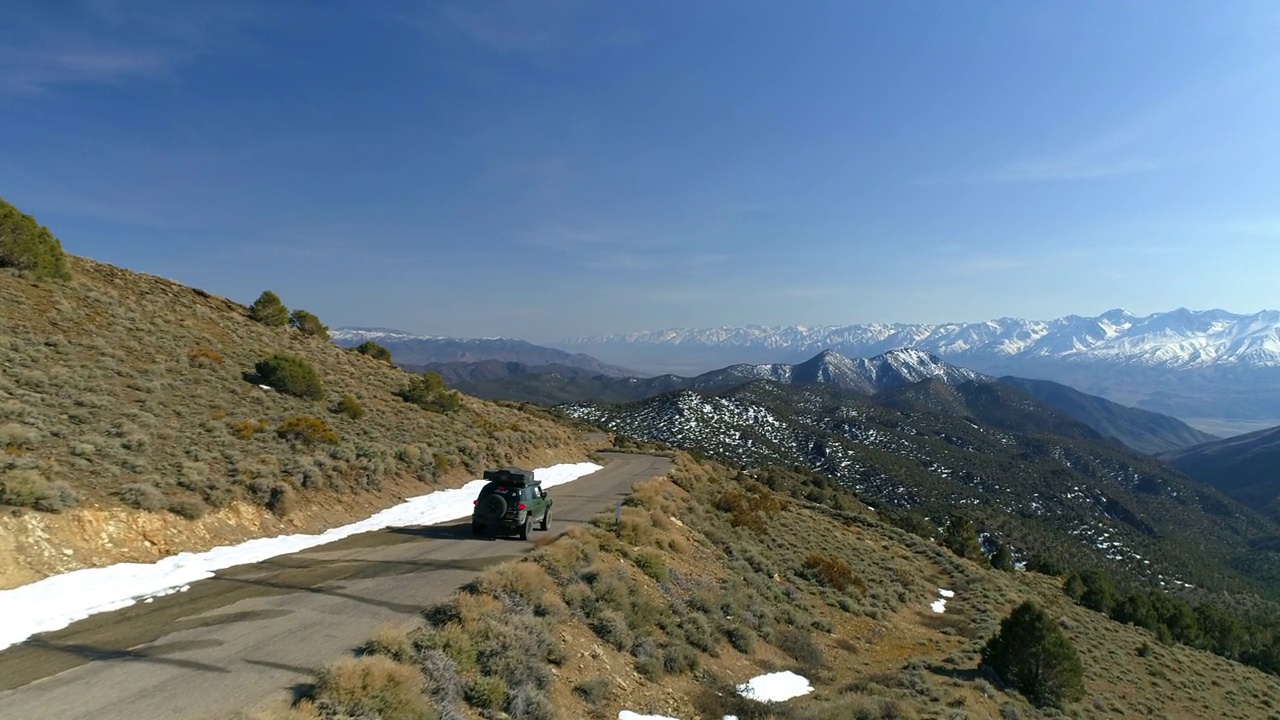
x=602, y=629
x=120, y=379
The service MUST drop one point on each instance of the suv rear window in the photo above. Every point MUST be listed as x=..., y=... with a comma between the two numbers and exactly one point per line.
x=501, y=489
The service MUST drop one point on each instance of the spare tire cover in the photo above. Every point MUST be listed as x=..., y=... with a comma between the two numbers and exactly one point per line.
x=493, y=506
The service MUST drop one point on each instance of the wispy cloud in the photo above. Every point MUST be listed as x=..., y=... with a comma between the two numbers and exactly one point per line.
x=984, y=265
x=26, y=70
x=109, y=42
x=1067, y=168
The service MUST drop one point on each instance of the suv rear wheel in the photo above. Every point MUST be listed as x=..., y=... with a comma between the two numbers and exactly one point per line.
x=524, y=529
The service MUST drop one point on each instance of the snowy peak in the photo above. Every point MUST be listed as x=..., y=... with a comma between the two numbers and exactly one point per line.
x=1176, y=339
x=896, y=368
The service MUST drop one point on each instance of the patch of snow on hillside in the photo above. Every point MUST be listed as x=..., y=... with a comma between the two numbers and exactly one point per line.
x=56, y=602
x=775, y=687
x=940, y=605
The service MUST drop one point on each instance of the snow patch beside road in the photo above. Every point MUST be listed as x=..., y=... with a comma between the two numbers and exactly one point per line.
x=56, y=602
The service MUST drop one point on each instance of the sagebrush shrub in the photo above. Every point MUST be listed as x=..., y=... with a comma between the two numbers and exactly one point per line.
x=429, y=392
x=27, y=488
x=27, y=245
x=269, y=310
x=308, y=324
x=141, y=496
x=372, y=686
x=348, y=407
x=307, y=430
x=290, y=375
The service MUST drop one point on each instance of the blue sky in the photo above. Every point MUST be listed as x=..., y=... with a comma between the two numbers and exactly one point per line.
x=551, y=169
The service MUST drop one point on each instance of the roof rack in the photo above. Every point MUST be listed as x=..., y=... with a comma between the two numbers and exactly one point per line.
x=511, y=476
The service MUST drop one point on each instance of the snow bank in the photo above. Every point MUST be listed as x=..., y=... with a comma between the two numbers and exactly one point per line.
x=56, y=602
x=775, y=687
x=940, y=605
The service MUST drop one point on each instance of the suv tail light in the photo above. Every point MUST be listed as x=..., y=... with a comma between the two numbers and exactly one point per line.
x=521, y=507
x=475, y=502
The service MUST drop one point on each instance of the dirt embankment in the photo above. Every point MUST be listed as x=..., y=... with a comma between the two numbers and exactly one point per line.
x=35, y=545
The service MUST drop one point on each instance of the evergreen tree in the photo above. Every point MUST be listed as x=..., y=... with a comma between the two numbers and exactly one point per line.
x=1074, y=586
x=1002, y=559
x=374, y=350
x=1099, y=592
x=308, y=324
x=961, y=538
x=1032, y=654
x=27, y=245
x=290, y=375
x=430, y=393
x=269, y=310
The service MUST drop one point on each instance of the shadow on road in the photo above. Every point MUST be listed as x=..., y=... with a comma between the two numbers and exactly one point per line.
x=151, y=654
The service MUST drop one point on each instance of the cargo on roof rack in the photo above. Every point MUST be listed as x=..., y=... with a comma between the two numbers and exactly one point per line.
x=510, y=475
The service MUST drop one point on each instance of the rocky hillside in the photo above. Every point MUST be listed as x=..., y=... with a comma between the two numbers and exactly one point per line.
x=711, y=579
x=133, y=423
x=1029, y=476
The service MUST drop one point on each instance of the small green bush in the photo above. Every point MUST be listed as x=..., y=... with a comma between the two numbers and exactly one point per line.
x=373, y=350
x=430, y=393
x=486, y=693
x=27, y=245
x=348, y=407
x=290, y=375
x=307, y=430
x=308, y=324
x=1032, y=654
x=269, y=310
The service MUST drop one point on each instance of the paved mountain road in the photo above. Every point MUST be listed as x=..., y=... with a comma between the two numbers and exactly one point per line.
x=253, y=633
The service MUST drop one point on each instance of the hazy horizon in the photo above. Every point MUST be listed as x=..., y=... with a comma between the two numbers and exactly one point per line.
x=570, y=169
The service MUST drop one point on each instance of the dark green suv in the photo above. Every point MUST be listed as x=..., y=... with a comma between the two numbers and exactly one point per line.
x=511, y=502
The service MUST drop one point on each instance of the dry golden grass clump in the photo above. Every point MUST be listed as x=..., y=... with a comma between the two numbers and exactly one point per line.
x=665, y=611
x=127, y=389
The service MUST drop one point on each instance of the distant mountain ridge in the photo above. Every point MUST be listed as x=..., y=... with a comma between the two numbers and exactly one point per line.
x=414, y=351
x=1213, y=366
x=556, y=384
x=1245, y=467
x=903, y=369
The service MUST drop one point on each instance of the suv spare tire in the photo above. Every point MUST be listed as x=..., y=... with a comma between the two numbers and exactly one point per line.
x=493, y=506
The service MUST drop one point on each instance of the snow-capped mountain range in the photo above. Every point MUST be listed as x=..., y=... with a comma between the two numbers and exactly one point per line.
x=892, y=369
x=1177, y=339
